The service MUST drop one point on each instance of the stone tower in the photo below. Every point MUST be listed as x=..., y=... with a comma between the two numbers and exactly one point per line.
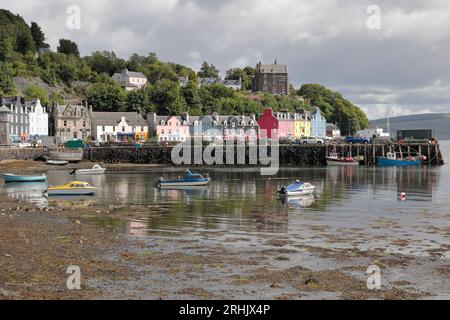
x=5, y=126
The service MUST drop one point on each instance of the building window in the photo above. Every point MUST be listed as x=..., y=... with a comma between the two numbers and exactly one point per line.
x=123, y=129
x=84, y=124
x=103, y=129
x=65, y=123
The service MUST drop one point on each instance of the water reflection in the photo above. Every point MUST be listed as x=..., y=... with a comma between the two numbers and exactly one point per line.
x=246, y=203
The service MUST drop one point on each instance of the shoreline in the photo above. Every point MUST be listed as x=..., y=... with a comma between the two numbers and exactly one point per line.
x=38, y=245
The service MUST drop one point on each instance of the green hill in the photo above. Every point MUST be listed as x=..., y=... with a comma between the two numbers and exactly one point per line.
x=28, y=67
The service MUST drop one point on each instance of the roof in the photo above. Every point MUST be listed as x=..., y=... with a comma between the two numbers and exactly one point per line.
x=4, y=109
x=111, y=118
x=133, y=74
x=273, y=68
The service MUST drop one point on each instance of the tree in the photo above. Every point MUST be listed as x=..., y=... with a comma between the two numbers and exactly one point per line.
x=7, y=85
x=106, y=97
x=208, y=71
x=38, y=37
x=105, y=62
x=138, y=101
x=36, y=92
x=192, y=97
x=68, y=47
x=167, y=98
x=238, y=73
x=348, y=117
x=6, y=46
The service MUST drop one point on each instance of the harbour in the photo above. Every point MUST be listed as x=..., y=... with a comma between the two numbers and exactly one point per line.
x=239, y=239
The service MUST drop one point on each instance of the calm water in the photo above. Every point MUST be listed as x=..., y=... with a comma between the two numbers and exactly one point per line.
x=363, y=200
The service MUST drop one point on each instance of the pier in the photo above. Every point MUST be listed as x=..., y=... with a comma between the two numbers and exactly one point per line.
x=290, y=155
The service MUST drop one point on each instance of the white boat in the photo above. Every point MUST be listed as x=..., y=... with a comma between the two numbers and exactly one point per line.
x=74, y=188
x=189, y=179
x=57, y=162
x=335, y=160
x=96, y=170
x=297, y=188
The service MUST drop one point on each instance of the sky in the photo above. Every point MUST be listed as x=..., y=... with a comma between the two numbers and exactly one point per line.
x=387, y=56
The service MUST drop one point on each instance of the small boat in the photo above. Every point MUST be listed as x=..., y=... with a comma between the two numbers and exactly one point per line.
x=74, y=188
x=16, y=178
x=96, y=169
x=189, y=179
x=335, y=160
x=391, y=159
x=57, y=162
x=297, y=188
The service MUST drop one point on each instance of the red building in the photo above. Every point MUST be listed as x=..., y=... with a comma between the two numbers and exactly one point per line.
x=276, y=125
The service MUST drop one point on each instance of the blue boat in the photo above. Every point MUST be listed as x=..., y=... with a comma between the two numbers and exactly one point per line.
x=189, y=179
x=8, y=177
x=392, y=160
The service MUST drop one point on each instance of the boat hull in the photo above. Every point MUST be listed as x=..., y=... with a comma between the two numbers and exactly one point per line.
x=72, y=192
x=303, y=192
x=89, y=172
x=57, y=162
x=15, y=178
x=335, y=162
x=184, y=183
x=384, y=162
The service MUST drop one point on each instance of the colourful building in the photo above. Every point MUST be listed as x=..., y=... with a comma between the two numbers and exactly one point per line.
x=318, y=124
x=302, y=124
x=276, y=125
x=172, y=128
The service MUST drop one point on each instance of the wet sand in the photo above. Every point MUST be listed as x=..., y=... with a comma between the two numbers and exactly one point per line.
x=37, y=246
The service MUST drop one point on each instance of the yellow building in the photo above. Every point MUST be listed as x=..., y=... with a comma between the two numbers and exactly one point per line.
x=302, y=125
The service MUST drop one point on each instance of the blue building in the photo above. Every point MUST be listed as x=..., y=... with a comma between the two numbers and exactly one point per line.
x=318, y=124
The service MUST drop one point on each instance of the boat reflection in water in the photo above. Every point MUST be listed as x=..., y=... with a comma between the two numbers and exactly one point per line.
x=70, y=202
x=174, y=193
x=31, y=192
x=297, y=201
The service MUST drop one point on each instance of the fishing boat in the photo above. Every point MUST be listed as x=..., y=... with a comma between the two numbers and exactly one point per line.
x=336, y=160
x=57, y=162
x=74, y=188
x=8, y=177
x=297, y=188
x=96, y=170
x=391, y=159
x=189, y=179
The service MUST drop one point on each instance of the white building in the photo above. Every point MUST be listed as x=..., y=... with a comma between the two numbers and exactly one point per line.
x=232, y=84
x=372, y=133
x=38, y=118
x=118, y=126
x=130, y=80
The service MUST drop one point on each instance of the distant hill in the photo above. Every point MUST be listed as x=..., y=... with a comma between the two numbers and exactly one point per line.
x=439, y=122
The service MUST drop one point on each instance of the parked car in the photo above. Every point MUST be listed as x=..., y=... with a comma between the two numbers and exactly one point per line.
x=352, y=140
x=311, y=140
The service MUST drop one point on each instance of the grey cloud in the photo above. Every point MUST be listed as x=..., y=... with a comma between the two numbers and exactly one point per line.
x=403, y=66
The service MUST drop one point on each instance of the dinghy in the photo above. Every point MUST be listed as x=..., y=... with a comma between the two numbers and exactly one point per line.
x=297, y=188
x=96, y=170
x=74, y=188
x=57, y=162
x=16, y=178
x=189, y=179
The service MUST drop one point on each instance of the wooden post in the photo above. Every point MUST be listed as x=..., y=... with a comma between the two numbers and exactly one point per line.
x=374, y=156
x=429, y=153
x=365, y=154
x=382, y=150
x=409, y=151
x=401, y=152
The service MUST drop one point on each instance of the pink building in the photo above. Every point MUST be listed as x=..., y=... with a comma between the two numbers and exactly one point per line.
x=172, y=128
x=276, y=125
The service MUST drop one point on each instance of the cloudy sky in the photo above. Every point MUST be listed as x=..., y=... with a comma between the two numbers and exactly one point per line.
x=402, y=67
